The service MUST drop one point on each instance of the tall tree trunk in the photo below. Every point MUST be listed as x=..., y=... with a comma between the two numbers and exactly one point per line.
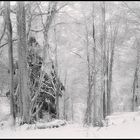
x=110, y=67
x=22, y=62
x=64, y=104
x=134, y=90
x=88, y=114
x=114, y=34
x=109, y=80
x=72, y=109
x=135, y=82
x=103, y=59
x=95, y=119
x=10, y=51
x=57, y=82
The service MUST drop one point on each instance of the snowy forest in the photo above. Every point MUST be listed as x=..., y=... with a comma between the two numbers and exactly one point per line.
x=69, y=69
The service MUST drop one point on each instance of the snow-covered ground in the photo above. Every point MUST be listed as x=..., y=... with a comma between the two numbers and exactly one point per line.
x=120, y=125
x=123, y=125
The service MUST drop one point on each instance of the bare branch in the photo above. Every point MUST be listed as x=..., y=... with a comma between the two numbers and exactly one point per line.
x=7, y=43
x=47, y=93
x=126, y=5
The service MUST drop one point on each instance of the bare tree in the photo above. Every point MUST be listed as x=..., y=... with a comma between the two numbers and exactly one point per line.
x=103, y=62
x=65, y=99
x=110, y=54
x=88, y=114
x=56, y=71
x=10, y=51
x=24, y=90
x=94, y=70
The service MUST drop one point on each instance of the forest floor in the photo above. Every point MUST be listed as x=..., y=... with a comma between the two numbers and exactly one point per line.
x=120, y=125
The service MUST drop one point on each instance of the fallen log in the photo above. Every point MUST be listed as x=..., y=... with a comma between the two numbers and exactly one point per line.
x=53, y=124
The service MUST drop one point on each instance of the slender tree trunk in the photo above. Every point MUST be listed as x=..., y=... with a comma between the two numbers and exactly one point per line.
x=110, y=67
x=57, y=82
x=64, y=105
x=72, y=109
x=103, y=59
x=95, y=119
x=48, y=22
x=109, y=82
x=134, y=90
x=88, y=115
x=135, y=82
x=10, y=51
